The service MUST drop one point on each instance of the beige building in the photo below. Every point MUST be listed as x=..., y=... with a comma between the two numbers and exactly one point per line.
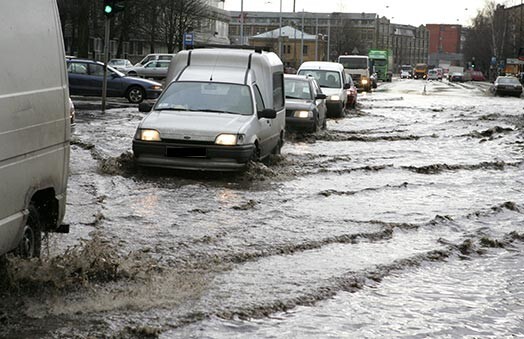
x=296, y=46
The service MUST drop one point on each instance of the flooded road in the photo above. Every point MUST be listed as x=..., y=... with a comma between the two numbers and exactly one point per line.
x=403, y=219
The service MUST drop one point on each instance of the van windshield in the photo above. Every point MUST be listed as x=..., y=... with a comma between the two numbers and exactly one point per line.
x=326, y=79
x=206, y=97
x=353, y=63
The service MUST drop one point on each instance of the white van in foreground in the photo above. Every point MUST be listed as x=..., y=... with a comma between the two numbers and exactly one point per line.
x=221, y=109
x=34, y=125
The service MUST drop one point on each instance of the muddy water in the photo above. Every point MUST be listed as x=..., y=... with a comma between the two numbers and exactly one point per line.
x=402, y=219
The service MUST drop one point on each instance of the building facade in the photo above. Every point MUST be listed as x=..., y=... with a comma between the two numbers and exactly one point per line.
x=291, y=42
x=445, y=44
x=343, y=33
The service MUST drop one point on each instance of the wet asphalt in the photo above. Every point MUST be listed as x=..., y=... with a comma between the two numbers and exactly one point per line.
x=403, y=219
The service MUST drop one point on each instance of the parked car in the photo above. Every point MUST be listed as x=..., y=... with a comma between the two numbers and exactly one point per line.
x=457, y=77
x=156, y=69
x=332, y=80
x=123, y=65
x=432, y=74
x=305, y=103
x=507, y=85
x=222, y=109
x=86, y=78
x=352, y=93
x=405, y=74
x=155, y=56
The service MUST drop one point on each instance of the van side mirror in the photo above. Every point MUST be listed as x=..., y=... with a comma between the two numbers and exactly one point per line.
x=145, y=107
x=267, y=113
x=347, y=86
x=321, y=96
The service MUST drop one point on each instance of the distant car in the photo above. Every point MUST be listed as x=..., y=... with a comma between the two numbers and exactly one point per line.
x=404, y=74
x=433, y=75
x=507, y=85
x=123, y=65
x=154, y=56
x=457, y=77
x=86, y=78
x=305, y=103
x=156, y=69
x=352, y=93
x=440, y=73
x=477, y=76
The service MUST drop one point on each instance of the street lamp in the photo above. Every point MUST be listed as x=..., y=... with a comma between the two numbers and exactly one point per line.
x=242, y=22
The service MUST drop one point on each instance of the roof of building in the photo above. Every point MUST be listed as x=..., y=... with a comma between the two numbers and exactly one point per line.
x=286, y=31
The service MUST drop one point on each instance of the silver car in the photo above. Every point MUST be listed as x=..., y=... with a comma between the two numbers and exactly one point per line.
x=156, y=69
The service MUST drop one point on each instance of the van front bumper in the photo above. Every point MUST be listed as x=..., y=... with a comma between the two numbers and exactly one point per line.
x=192, y=156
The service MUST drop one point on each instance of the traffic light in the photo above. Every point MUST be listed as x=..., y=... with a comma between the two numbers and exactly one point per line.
x=111, y=7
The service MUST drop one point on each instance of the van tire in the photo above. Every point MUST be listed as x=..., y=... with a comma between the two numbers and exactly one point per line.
x=135, y=94
x=278, y=147
x=255, y=156
x=31, y=243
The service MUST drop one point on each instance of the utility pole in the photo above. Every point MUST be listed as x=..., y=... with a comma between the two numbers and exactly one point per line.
x=302, y=40
x=106, y=58
x=242, y=22
x=280, y=31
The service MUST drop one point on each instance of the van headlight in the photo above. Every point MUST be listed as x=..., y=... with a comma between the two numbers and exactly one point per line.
x=334, y=98
x=364, y=81
x=147, y=135
x=229, y=139
x=302, y=114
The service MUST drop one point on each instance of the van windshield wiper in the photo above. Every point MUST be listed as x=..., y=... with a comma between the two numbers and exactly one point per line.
x=172, y=109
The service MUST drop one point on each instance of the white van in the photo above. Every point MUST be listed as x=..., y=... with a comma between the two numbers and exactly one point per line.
x=221, y=109
x=34, y=125
x=332, y=80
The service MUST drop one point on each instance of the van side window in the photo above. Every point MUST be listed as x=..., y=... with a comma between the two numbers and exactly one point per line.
x=258, y=99
x=278, y=91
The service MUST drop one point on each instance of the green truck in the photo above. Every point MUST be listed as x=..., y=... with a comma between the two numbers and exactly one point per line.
x=381, y=61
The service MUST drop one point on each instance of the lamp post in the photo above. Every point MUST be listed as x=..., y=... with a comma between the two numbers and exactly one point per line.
x=280, y=31
x=242, y=22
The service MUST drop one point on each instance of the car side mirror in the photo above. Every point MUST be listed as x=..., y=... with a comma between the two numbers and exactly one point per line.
x=347, y=86
x=321, y=96
x=267, y=113
x=145, y=107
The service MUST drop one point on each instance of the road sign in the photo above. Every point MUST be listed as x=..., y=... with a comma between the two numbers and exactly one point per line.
x=188, y=40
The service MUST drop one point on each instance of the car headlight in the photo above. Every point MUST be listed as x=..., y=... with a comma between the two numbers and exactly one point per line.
x=156, y=87
x=302, y=114
x=364, y=81
x=148, y=135
x=229, y=139
x=334, y=98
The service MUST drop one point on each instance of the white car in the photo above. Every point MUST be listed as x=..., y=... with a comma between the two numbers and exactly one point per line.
x=404, y=74
x=433, y=75
x=332, y=80
x=155, y=69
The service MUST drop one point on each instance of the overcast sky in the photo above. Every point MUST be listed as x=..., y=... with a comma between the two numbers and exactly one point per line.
x=411, y=12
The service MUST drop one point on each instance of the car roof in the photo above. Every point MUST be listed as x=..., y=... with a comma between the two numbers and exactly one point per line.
x=217, y=74
x=85, y=60
x=297, y=77
x=322, y=65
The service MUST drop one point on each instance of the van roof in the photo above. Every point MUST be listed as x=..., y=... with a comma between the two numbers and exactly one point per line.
x=217, y=74
x=327, y=65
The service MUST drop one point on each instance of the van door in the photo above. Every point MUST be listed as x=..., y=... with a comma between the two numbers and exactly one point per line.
x=264, y=125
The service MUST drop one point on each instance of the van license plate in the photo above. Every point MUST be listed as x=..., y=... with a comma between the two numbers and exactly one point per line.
x=185, y=152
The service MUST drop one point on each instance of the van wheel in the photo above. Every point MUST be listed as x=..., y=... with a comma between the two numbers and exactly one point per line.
x=278, y=148
x=255, y=156
x=135, y=94
x=31, y=243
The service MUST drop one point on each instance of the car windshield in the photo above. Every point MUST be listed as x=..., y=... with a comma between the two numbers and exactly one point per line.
x=114, y=70
x=508, y=81
x=326, y=79
x=207, y=97
x=380, y=62
x=354, y=62
x=297, y=89
x=406, y=68
x=117, y=62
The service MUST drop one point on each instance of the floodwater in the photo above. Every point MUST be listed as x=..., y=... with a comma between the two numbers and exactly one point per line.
x=403, y=219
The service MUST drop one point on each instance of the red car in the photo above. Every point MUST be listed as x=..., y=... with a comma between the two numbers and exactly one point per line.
x=352, y=93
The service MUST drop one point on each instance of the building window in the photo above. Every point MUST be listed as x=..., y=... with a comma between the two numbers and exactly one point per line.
x=304, y=50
